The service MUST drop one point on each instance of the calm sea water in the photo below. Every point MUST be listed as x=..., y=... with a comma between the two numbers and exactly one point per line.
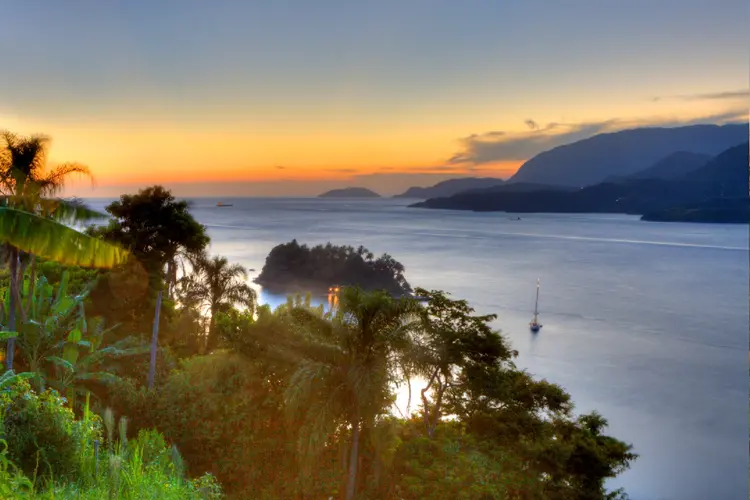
x=645, y=322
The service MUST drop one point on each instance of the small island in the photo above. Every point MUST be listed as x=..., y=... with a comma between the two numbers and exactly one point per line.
x=350, y=192
x=291, y=267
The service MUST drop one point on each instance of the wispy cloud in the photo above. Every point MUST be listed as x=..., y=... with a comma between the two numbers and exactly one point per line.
x=280, y=167
x=495, y=146
x=712, y=96
x=342, y=170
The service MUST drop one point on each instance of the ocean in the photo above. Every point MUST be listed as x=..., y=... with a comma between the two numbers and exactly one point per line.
x=645, y=322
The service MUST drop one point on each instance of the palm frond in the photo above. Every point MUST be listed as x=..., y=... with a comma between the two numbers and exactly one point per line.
x=50, y=240
x=54, y=180
x=27, y=154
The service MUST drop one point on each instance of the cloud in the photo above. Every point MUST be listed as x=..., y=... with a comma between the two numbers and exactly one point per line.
x=280, y=167
x=492, y=147
x=342, y=170
x=532, y=124
x=712, y=96
x=489, y=147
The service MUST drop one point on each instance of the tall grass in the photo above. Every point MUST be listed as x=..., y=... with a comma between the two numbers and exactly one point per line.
x=141, y=469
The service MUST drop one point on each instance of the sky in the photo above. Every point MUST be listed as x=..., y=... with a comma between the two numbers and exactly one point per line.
x=287, y=98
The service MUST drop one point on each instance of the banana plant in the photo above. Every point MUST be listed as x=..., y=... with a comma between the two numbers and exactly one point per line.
x=50, y=315
x=81, y=354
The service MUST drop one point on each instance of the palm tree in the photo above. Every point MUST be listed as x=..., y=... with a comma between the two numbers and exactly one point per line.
x=37, y=225
x=344, y=379
x=214, y=286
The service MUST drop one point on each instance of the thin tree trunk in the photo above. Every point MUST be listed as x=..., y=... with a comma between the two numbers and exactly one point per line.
x=351, y=482
x=154, y=343
x=32, y=284
x=438, y=406
x=408, y=401
x=211, y=340
x=11, y=349
x=425, y=403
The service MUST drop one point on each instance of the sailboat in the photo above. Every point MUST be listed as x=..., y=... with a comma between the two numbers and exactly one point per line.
x=535, y=325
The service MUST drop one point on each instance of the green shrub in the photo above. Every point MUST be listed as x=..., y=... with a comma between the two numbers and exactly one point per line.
x=226, y=421
x=225, y=415
x=146, y=467
x=44, y=438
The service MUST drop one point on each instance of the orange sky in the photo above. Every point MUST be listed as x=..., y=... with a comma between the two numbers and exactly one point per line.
x=128, y=153
x=264, y=102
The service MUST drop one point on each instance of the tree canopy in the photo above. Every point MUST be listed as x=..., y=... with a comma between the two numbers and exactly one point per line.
x=156, y=227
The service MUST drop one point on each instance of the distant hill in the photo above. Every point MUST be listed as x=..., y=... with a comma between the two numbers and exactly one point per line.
x=592, y=160
x=670, y=167
x=723, y=177
x=450, y=187
x=727, y=174
x=350, y=192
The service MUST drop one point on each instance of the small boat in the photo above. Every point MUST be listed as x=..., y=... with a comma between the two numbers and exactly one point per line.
x=220, y=204
x=535, y=326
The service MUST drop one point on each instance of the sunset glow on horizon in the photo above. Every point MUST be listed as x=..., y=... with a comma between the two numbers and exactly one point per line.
x=183, y=93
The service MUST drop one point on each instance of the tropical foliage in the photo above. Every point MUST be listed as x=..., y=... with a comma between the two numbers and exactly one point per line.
x=215, y=286
x=35, y=225
x=48, y=453
x=157, y=228
x=286, y=403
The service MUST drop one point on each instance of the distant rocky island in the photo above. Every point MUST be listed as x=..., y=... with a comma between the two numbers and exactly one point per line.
x=294, y=267
x=713, y=192
x=350, y=192
x=450, y=187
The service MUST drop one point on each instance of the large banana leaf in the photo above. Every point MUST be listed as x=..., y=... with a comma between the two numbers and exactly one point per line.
x=69, y=211
x=51, y=240
x=61, y=210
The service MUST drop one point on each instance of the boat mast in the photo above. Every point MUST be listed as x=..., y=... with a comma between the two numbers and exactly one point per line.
x=536, y=305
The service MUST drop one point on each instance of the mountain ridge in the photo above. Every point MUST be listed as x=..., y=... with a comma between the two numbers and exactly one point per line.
x=725, y=176
x=671, y=166
x=590, y=161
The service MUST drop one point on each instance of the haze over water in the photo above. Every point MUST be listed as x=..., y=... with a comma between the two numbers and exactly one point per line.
x=645, y=322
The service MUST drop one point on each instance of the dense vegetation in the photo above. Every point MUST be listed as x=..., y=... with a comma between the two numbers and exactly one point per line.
x=291, y=267
x=249, y=402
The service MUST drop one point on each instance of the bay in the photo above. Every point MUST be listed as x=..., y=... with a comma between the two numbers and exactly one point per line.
x=645, y=322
